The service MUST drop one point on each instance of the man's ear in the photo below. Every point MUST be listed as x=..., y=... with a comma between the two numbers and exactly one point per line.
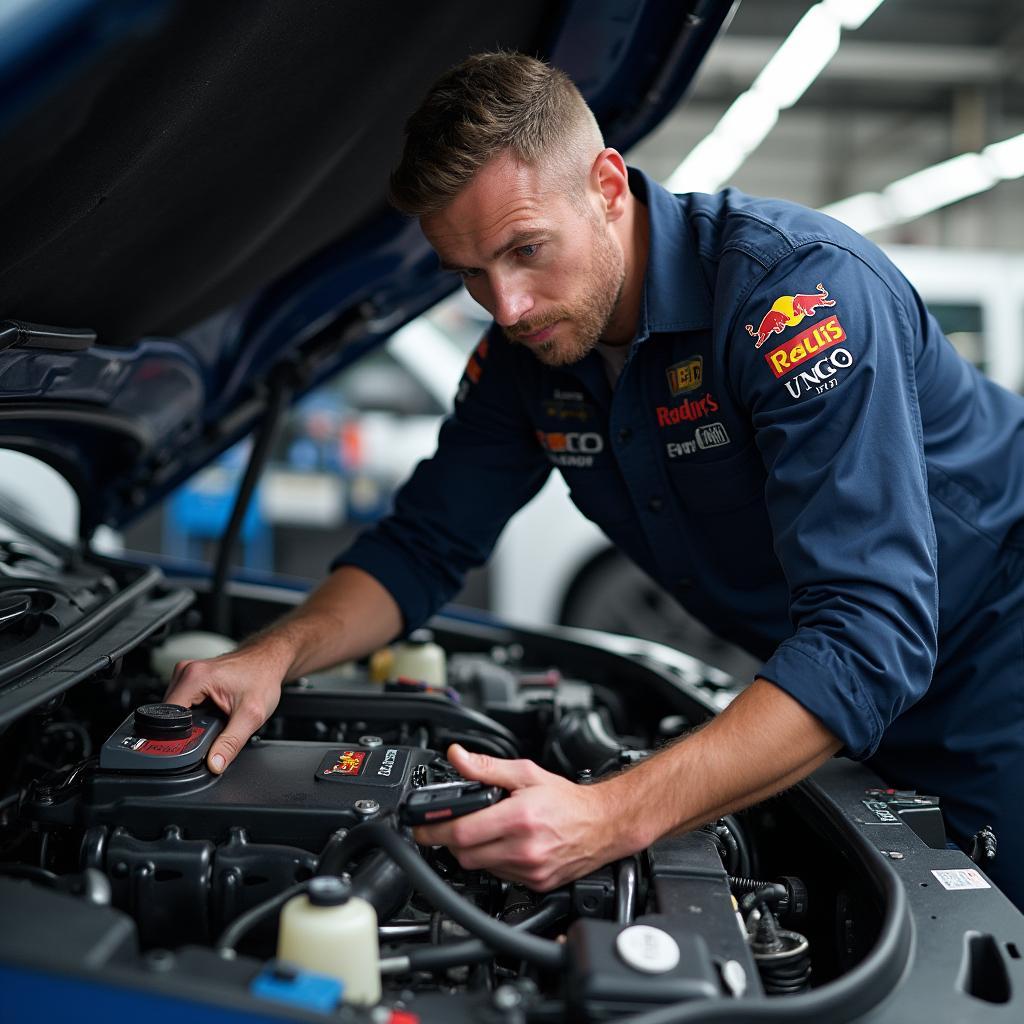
x=609, y=178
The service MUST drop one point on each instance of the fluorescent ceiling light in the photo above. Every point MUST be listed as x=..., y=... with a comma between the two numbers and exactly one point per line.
x=866, y=211
x=800, y=59
x=1006, y=158
x=933, y=187
x=782, y=81
x=851, y=14
x=939, y=185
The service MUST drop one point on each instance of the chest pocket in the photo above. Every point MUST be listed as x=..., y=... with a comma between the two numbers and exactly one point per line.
x=734, y=482
x=728, y=522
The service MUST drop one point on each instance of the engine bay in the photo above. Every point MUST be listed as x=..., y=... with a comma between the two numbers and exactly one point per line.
x=121, y=853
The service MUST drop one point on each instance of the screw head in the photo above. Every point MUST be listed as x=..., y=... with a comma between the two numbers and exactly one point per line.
x=367, y=807
x=370, y=741
x=506, y=998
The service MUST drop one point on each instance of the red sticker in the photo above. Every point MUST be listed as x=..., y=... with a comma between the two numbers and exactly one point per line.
x=348, y=762
x=163, y=748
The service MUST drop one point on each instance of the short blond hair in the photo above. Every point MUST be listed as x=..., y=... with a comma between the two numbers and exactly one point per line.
x=489, y=104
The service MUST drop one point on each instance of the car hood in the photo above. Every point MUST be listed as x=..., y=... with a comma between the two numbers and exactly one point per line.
x=193, y=203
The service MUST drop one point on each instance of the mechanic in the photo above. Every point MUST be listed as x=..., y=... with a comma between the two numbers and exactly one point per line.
x=756, y=407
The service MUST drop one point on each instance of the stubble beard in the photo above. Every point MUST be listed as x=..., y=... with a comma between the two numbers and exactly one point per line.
x=584, y=323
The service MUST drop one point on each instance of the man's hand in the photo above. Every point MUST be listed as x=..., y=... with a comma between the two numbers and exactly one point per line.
x=547, y=832
x=347, y=616
x=245, y=685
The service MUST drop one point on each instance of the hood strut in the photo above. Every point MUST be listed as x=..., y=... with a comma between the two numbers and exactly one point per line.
x=281, y=389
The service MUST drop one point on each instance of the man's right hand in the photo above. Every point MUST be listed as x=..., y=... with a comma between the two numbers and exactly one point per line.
x=245, y=685
x=346, y=617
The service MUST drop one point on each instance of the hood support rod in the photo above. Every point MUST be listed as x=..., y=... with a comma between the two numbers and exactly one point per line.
x=281, y=390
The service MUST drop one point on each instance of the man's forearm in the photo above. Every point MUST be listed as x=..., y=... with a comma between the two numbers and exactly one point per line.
x=349, y=615
x=762, y=743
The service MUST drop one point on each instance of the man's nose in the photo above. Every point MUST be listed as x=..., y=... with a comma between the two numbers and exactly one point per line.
x=511, y=302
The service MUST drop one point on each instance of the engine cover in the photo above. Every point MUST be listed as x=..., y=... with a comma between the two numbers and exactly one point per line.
x=279, y=791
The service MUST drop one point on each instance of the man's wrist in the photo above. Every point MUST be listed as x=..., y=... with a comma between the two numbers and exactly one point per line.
x=629, y=819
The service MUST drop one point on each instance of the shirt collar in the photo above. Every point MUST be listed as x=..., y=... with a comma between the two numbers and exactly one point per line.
x=675, y=296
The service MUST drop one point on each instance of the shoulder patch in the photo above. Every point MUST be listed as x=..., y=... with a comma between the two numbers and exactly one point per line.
x=788, y=311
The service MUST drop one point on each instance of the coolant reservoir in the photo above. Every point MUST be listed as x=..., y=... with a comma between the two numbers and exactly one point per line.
x=185, y=646
x=327, y=931
x=418, y=657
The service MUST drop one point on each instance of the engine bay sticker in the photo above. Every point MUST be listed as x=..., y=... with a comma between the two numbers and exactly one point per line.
x=163, y=748
x=383, y=766
x=961, y=878
x=880, y=809
x=343, y=763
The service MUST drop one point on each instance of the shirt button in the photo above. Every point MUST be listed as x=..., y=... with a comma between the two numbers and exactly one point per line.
x=625, y=434
x=655, y=504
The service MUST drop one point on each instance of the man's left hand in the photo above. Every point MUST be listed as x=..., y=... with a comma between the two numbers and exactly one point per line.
x=547, y=832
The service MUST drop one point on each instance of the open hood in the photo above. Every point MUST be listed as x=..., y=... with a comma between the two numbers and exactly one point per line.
x=193, y=202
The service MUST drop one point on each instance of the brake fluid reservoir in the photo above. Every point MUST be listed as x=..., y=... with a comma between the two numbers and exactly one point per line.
x=418, y=657
x=327, y=931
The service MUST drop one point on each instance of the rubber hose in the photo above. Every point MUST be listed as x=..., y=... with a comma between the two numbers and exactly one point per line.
x=475, y=951
x=382, y=883
x=495, y=934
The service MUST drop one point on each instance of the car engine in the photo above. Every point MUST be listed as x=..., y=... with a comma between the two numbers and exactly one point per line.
x=121, y=851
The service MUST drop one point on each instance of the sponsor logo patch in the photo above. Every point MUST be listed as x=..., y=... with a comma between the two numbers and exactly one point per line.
x=820, y=376
x=713, y=435
x=474, y=369
x=788, y=311
x=560, y=409
x=571, y=449
x=685, y=376
x=806, y=345
x=346, y=762
x=687, y=411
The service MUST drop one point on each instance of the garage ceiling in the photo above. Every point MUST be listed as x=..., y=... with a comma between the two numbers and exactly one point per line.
x=919, y=82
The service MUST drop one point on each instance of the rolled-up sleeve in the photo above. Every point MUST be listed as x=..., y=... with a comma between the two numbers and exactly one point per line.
x=448, y=515
x=833, y=403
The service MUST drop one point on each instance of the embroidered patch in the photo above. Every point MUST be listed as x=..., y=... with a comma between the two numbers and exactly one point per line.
x=713, y=435
x=790, y=354
x=788, y=311
x=685, y=376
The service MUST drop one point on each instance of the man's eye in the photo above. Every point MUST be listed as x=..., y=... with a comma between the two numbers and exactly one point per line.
x=468, y=274
x=528, y=251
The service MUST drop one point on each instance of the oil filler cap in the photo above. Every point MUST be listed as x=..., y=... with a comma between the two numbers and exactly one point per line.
x=162, y=721
x=647, y=949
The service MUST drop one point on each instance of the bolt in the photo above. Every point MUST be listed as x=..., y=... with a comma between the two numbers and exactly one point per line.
x=367, y=807
x=506, y=998
x=370, y=741
x=892, y=854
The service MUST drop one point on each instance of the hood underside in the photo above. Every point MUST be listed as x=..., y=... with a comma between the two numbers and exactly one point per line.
x=203, y=186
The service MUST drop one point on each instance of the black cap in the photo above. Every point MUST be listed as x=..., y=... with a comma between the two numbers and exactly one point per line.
x=163, y=721
x=328, y=891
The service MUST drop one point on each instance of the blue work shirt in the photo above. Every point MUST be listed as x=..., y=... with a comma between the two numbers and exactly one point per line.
x=793, y=450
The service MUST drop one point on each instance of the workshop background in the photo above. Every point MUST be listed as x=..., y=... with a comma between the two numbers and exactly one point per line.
x=904, y=118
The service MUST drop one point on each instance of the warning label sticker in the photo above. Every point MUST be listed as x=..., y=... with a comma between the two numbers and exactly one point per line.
x=963, y=878
x=163, y=748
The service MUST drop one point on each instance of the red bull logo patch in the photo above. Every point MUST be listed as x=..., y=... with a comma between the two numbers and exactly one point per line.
x=790, y=354
x=686, y=376
x=348, y=762
x=788, y=311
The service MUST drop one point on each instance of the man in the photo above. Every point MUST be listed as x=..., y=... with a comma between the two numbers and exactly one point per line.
x=756, y=407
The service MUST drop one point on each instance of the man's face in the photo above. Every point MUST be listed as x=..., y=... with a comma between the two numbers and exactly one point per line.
x=545, y=267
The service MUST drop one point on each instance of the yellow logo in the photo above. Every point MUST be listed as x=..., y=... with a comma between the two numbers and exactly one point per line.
x=686, y=376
